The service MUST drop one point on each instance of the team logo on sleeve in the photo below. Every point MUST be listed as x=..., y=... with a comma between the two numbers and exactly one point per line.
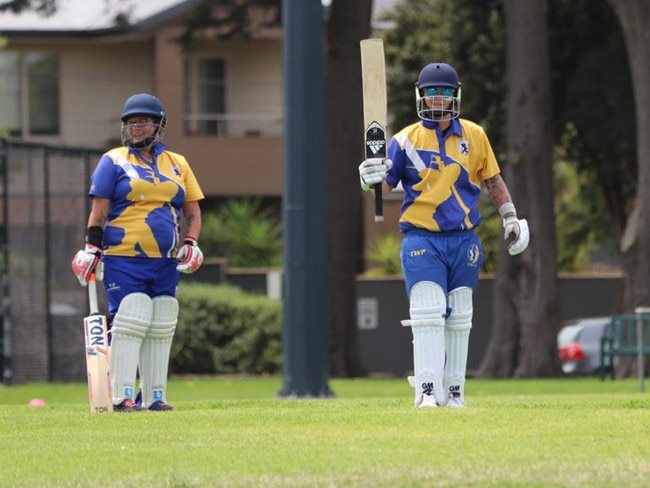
x=463, y=147
x=176, y=171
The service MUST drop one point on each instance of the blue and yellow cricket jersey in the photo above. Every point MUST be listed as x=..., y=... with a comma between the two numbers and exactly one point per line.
x=146, y=201
x=441, y=174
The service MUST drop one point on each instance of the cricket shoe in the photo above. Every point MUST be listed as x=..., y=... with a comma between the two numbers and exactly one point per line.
x=455, y=402
x=161, y=406
x=127, y=405
x=426, y=401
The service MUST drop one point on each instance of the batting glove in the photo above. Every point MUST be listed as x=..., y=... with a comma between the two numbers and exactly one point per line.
x=189, y=256
x=514, y=228
x=87, y=261
x=373, y=171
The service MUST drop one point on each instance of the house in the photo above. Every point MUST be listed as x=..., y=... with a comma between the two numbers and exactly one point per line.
x=64, y=79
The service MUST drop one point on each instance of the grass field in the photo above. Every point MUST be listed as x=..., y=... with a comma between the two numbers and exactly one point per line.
x=237, y=432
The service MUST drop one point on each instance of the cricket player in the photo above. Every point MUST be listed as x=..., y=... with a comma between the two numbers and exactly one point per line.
x=143, y=196
x=441, y=162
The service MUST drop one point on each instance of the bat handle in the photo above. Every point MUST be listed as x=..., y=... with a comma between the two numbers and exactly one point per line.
x=92, y=294
x=379, y=210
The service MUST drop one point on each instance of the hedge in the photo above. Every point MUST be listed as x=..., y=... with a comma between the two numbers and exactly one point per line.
x=222, y=329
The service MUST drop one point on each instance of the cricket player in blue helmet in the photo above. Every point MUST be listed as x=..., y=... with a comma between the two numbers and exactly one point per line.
x=441, y=162
x=143, y=197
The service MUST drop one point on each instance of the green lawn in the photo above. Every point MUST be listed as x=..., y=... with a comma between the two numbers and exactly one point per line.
x=237, y=432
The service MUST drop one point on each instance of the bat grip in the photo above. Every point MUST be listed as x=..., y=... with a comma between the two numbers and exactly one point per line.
x=92, y=294
x=379, y=210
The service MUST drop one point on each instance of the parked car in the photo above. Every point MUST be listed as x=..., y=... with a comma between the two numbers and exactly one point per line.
x=578, y=344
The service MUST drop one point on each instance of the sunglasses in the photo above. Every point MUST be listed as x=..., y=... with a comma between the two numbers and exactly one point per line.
x=139, y=123
x=437, y=91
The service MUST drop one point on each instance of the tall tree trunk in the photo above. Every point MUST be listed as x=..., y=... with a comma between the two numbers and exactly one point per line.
x=348, y=23
x=526, y=319
x=634, y=16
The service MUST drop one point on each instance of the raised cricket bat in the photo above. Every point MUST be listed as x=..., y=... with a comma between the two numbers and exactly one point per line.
x=373, y=72
x=96, y=332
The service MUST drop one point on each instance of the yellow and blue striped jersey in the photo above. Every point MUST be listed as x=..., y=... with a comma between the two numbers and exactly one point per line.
x=146, y=201
x=441, y=174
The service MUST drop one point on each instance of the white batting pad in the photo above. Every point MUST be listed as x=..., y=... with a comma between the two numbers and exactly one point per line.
x=154, y=354
x=130, y=326
x=457, y=328
x=427, y=311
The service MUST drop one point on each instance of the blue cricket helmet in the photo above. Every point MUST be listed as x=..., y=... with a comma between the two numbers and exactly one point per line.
x=143, y=104
x=440, y=75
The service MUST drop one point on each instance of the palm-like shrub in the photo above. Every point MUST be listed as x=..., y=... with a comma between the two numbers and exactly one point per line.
x=244, y=233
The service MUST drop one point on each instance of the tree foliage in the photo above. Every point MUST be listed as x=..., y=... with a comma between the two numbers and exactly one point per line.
x=593, y=102
x=231, y=19
x=44, y=7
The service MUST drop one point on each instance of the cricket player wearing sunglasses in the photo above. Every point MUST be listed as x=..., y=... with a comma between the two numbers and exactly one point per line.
x=441, y=163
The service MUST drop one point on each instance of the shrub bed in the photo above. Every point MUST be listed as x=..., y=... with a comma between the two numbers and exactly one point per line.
x=222, y=329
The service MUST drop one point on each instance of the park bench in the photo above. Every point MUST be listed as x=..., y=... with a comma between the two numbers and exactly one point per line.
x=620, y=340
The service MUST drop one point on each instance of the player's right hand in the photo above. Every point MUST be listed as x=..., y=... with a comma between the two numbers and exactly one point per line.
x=373, y=171
x=87, y=261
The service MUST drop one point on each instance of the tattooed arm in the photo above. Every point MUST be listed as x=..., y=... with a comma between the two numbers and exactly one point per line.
x=498, y=190
x=513, y=227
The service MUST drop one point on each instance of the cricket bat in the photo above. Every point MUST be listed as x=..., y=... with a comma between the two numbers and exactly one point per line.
x=96, y=332
x=373, y=73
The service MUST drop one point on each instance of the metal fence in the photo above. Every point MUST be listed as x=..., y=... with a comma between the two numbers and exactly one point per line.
x=44, y=213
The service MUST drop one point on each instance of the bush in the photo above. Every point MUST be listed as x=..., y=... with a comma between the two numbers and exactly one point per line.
x=243, y=232
x=384, y=254
x=222, y=329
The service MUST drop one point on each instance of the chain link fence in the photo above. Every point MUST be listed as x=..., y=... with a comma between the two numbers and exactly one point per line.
x=44, y=213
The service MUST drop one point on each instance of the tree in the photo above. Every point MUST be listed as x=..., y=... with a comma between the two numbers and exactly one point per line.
x=634, y=16
x=525, y=324
x=348, y=23
x=594, y=122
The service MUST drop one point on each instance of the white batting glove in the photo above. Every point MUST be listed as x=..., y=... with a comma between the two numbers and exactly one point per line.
x=514, y=227
x=87, y=261
x=190, y=257
x=373, y=171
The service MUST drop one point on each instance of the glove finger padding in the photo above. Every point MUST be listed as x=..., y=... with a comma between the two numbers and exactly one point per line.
x=189, y=257
x=522, y=237
x=373, y=171
x=85, y=262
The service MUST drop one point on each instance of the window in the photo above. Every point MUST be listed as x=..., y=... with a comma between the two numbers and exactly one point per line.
x=29, y=93
x=205, y=99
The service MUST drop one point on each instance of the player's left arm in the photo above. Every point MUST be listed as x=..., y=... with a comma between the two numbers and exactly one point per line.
x=513, y=227
x=192, y=217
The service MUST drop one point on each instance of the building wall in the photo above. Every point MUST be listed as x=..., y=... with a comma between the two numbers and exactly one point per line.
x=98, y=75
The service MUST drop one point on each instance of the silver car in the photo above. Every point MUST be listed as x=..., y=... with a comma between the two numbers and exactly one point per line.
x=578, y=344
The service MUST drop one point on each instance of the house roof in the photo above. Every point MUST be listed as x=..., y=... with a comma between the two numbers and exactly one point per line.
x=92, y=17
x=97, y=17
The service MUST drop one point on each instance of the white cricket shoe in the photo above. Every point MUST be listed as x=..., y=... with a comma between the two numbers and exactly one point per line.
x=426, y=401
x=455, y=402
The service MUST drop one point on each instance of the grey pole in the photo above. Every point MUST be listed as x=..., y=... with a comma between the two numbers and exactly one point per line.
x=305, y=365
x=640, y=313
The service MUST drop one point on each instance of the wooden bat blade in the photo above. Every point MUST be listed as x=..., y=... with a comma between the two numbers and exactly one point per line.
x=97, y=364
x=373, y=71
